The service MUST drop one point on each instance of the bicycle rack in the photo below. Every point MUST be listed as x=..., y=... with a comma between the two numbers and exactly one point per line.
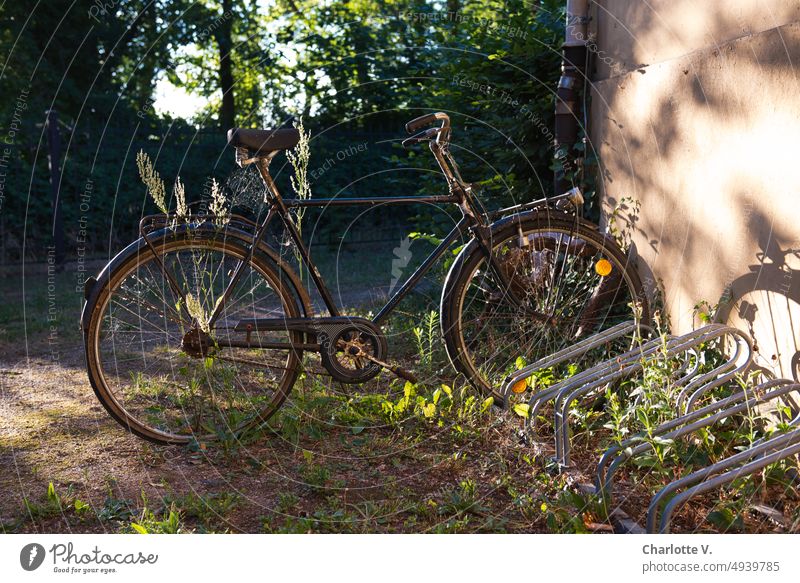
x=692, y=414
x=587, y=382
x=575, y=351
x=762, y=453
x=680, y=426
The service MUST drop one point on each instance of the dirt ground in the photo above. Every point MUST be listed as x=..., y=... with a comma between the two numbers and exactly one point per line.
x=309, y=472
x=391, y=478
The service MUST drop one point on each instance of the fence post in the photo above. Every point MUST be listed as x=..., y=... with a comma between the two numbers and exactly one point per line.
x=54, y=161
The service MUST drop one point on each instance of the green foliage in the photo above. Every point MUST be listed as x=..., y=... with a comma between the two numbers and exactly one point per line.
x=314, y=474
x=572, y=512
x=115, y=509
x=54, y=504
x=169, y=522
x=427, y=337
x=355, y=70
x=209, y=510
x=462, y=499
x=727, y=518
x=460, y=409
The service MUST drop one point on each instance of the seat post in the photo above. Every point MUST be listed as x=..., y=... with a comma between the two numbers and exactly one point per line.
x=262, y=163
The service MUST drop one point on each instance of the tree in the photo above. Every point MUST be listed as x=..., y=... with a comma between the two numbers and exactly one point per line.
x=220, y=51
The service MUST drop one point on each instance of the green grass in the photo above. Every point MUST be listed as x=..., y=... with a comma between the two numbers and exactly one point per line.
x=47, y=306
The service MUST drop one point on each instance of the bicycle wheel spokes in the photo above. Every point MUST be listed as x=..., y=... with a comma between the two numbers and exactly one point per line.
x=183, y=378
x=561, y=287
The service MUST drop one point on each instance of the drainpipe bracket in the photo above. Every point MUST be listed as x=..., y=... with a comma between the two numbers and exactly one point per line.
x=567, y=82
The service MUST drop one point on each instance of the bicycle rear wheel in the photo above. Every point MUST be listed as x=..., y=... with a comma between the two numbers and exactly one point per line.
x=566, y=279
x=136, y=342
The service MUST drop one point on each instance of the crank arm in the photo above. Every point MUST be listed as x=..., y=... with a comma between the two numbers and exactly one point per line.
x=399, y=371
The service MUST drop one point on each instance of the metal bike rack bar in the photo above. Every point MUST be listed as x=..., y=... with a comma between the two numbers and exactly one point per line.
x=619, y=363
x=728, y=477
x=721, y=374
x=692, y=413
x=762, y=453
x=739, y=402
x=570, y=352
x=575, y=388
x=767, y=451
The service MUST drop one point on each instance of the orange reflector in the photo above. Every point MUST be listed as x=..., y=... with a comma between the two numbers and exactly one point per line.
x=603, y=267
x=520, y=386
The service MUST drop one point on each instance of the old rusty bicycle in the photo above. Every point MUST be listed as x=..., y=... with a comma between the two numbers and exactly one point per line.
x=199, y=327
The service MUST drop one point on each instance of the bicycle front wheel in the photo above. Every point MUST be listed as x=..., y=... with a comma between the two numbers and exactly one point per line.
x=565, y=280
x=170, y=388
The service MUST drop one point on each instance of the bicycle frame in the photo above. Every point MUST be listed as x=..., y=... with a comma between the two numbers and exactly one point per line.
x=460, y=228
x=473, y=221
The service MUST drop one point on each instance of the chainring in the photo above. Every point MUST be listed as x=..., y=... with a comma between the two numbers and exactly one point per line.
x=343, y=347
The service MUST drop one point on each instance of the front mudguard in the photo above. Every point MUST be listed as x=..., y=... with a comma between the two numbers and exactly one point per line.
x=498, y=230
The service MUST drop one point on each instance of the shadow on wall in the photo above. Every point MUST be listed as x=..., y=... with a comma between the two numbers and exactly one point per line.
x=704, y=141
x=766, y=303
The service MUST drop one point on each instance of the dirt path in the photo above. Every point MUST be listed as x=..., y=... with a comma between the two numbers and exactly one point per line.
x=390, y=478
x=55, y=431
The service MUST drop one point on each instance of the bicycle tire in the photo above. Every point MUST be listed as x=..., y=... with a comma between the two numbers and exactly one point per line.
x=132, y=260
x=536, y=226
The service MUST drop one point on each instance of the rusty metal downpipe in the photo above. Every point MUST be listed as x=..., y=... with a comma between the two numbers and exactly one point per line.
x=568, y=106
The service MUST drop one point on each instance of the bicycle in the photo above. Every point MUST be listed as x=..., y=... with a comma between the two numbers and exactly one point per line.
x=199, y=327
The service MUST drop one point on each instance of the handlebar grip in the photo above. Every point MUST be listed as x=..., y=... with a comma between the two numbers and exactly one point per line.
x=427, y=119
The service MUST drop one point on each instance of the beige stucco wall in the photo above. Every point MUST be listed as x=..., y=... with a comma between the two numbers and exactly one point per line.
x=696, y=115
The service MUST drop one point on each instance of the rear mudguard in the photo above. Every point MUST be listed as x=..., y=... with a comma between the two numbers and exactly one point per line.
x=94, y=285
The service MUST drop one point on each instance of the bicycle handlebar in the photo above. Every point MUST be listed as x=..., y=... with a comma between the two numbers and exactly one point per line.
x=423, y=136
x=428, y=119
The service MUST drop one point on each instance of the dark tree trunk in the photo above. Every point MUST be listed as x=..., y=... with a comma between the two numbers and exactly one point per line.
x=454, y=13
x=227, y=113
x=54, y=159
